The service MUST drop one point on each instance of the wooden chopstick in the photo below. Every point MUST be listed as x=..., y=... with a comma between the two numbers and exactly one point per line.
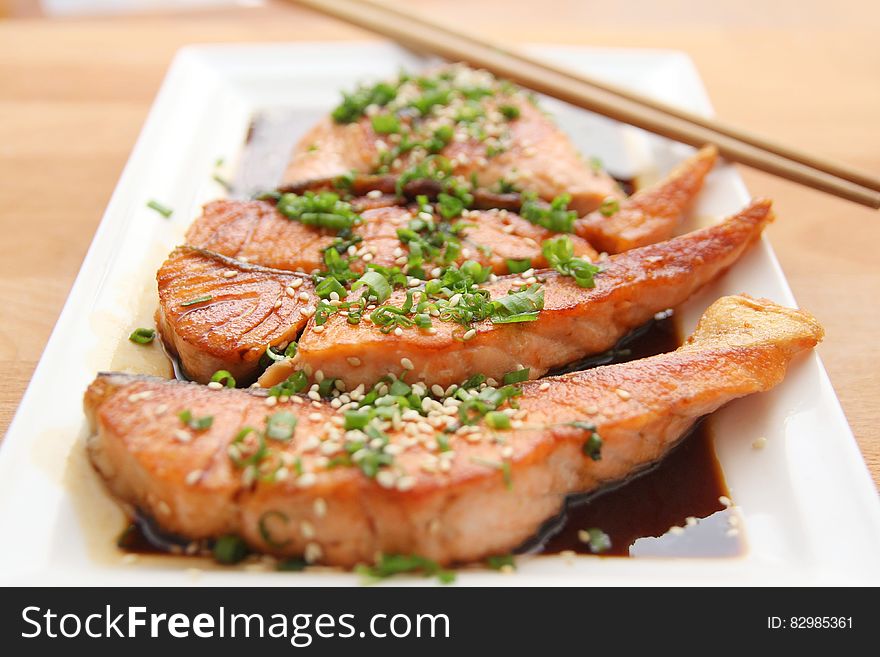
x=421, y=34
x=830, y=166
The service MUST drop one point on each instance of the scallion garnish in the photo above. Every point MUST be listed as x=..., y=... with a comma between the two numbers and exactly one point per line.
x=510, y=112
x=609, y=206
x=555, y=217
x=263, y=526
x=598, y=540
x=394, y=564
x=281, y=425
x=518, y=266
x=385, y=124
x=497, y=420
x=500, y=561
x=164, y=210
x=377, y=284
x=193, y=302
x=517, y=376
x=195, y=423
x=229, y=549
x=323, y=209
x=559, y=253
x=143, y=335
x=223, y=377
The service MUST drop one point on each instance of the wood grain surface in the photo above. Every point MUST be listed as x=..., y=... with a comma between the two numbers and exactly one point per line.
x=74, y=93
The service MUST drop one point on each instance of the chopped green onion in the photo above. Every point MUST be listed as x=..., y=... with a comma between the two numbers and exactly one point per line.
x=224, y=377
x=296, y=382
x=393, y=564
x=499, y=561
x=598, y=541
x=263, y=525
x=195, y=423
x=143, y=335
x=229, y=549
x=518, y=266
x=510, y=112
x=609, y=206
x=357, y=419
x=497, y=420
x=517, y=376
x=559, y=253
x=193, y=302
x=385, y=124
x=164, y=210
x=556, y=216
x=292, y=565
x=281, y=425
x=323, y=209
x=244, y=459
x=376, y=283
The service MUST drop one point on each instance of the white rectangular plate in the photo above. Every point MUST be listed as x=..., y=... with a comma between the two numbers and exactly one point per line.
x=807, y=506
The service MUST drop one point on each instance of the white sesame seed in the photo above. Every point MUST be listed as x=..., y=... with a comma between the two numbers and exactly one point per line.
x=138, y=396
x=271, y=401
x=623, y=394
x=320, y=507
x=163, y=508
x=725, y=501
x=437, y=390
x=307, y=529
x=193, y=476
x=469, y=334
x=313, y=552
x=319, y=375
x=306, y=479
x=277, y=303
x=289, y=291
x=295, y=283
x=374, y=193
x=407, y=482
x=182, y=436
x=398, y=331
x=407, y=364
x=544, y=386
x=314, y=396
x=304, y=296
x=316, y=417
x=230, y=273
x=307, y=311
x=676, y=531
x=215, y=385
x=386, y=479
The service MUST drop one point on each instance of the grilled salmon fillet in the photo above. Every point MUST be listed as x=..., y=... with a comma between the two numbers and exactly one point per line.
x=481, y=492
x=651, y=214
x=256, y=232
x=496, y=135
x=576, y=322
x=216, y=313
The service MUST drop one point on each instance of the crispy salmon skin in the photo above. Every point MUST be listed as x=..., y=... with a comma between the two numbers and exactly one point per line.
x=449, y=490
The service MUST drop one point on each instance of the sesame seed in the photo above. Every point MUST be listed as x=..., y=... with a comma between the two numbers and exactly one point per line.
x=316, y=417
x=295, y=283
x=374, y=193
x=437, y=390
x=193, y=476
x=725, y=501
x=469, y=334
x=544, y=386
x=306, y=479
x=307, y=311
x=138, y=396
x=215, y=385
x=623, y=394
x=229, y=273
x=277, y=303
x=320, y=507
x=271, y=401
x=307, y=529
x=407, y=482
x=398, y=331
x=313, y=552
x=182, y=436
x=304, y=296
x=163, y=508
x=407, y=364
x=386, y=479
x=314, y=396
x=676, y=531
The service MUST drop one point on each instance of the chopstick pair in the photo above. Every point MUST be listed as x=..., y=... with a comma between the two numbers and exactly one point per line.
x=607, y=99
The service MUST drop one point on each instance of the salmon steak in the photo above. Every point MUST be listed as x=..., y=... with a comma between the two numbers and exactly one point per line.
x=256, y=232
x=574, y=321
x=479, y=127
x=398, y=470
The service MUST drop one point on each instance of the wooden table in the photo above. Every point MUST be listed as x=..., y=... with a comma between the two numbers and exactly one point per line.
x=74, y=93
